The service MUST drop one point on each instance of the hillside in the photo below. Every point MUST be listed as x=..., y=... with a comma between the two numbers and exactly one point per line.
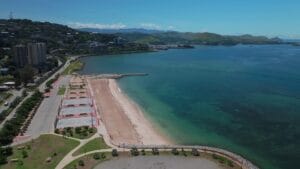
x=56, y=36
x=197, y=38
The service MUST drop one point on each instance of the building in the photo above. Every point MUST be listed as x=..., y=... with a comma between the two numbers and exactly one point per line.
x=36, y=53
x=20, y=55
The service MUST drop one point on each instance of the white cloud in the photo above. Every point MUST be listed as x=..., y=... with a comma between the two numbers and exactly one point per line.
x=97, y=25
x=170, y=27
x=150, y=26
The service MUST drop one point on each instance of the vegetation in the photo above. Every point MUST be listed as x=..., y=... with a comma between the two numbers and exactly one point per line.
x=7, y=111
x=34, y=154
x=61, y=90
x=95, y=144
x=77, y=132
x=51, y=81
x=134, y=152
x=223, y=160
x=205, y=38
x=4, y=96
x=73, y=67
x=6, y=78
x=175, y=151
x=114, y=153
x=90, y=161
x=195, y=152
x=12, y=127
x=155, y=151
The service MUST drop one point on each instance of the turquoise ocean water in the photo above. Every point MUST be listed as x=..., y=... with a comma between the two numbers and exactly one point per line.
x=242, y=98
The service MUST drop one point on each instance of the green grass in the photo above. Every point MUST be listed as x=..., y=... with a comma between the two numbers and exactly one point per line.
x=73, y=67
x=40, y=149
x=61, y=90
x=95, y=144
x=4, y=96
x=89, y=161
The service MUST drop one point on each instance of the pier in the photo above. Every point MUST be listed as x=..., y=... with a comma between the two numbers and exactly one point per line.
x=116, y=76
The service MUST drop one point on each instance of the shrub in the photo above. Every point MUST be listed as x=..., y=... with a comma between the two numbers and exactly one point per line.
x=183, y=152
x=114, y=153
x=56, y=131
x=78, y=130
x=143, y=152
x=24, y=154
x=155, y=151
x=134, y=152
x=91, y=130
x=195, y=152
x=81, y=163
x=96, y=156
x=175, y=151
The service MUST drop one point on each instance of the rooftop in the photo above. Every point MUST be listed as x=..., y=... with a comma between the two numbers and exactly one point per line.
x=76, y=122
x=76, y=110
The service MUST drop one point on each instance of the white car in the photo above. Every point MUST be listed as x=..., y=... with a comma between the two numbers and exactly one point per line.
x=6, y=104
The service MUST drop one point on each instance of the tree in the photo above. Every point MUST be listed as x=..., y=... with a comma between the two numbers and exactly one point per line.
x=96, y=156
x=155, y=151
x=183, y=152
x=81, y=163
x=143, y=152
x=134, y=151
x=195, y=152
x=26, y=74
x=24, y=154
x=175, y=151
x=114, y=153
x=78, y=130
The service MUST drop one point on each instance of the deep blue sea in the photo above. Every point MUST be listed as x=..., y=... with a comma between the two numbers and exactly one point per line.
x=243, y=98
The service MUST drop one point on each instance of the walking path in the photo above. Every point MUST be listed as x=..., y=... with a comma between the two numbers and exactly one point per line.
x=69, y=157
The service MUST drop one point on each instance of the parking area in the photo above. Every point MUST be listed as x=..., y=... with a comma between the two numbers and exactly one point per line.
x=43, y=121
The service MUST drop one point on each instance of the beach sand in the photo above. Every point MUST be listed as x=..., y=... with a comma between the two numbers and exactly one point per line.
x=123, y=119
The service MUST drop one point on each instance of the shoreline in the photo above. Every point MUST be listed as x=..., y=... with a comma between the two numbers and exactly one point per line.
x=123, y=118
x=138, y=117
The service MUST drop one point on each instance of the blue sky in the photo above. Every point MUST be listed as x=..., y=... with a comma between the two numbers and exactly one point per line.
x=258, y=17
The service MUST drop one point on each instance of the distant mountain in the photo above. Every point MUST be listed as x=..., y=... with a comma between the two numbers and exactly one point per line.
x=114, y=31
x=159, y=37
x=205, y=38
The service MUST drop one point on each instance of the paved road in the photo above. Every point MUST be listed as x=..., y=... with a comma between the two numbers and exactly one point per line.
x=14, y=93
x=43, y=120
x=41, y=88
x=11, y=115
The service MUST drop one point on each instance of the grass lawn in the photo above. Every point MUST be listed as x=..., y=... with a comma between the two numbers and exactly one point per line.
x=89, y=161
x=61, y=90
x=95, y=144
x=39, y=150
x=74, y=66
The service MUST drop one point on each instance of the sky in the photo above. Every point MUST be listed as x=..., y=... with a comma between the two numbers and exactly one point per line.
x=230, y=17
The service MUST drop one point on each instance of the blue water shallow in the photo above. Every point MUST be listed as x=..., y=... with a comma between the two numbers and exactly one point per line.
x=242, y=98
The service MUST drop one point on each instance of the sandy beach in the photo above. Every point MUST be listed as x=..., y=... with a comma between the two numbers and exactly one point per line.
x=123, y=119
